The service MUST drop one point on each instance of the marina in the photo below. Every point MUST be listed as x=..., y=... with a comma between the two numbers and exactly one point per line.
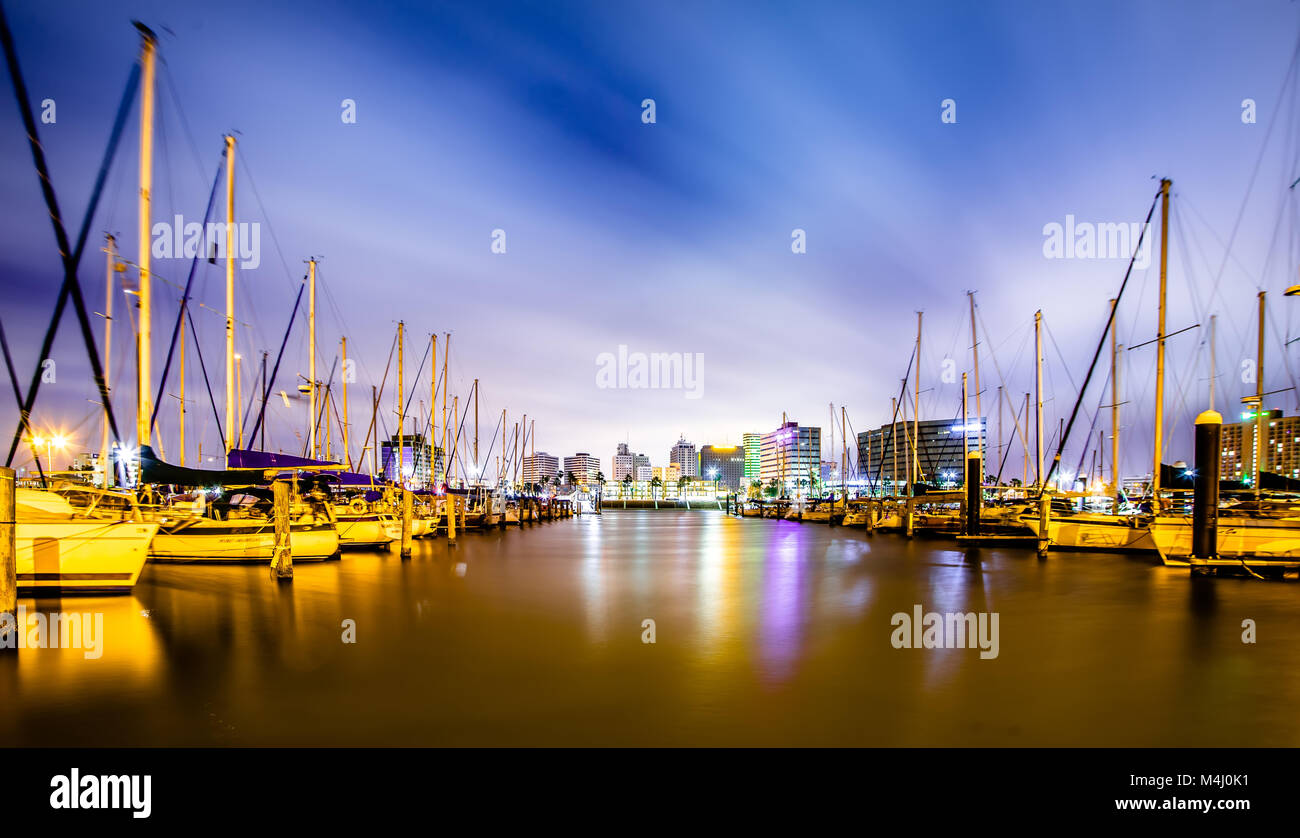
x=582, y=376
x=769, y=632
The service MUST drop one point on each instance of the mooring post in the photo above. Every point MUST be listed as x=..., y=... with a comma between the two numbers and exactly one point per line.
x=974, y=495
x=449, y=506
x=1044, y=517
x=1205, y=495
x=282, y=555
x=407, y=512
x=908, y=512
x=8, y=556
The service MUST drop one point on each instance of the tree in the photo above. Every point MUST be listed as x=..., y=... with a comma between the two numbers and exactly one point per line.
x=570, y=479
x=626, y=483
x=681, y=485
x=654, y=487
x=600, y=486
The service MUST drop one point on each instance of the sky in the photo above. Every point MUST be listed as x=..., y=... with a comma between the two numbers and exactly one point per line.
x=673, y=236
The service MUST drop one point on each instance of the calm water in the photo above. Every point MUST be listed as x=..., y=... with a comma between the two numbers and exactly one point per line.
x=768, y=632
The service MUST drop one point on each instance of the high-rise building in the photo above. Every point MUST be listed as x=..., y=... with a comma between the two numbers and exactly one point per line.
x=753, y=456
x=791, y=455
x=941, y=452
x=415, y=460
x=668, y=475
x=724, y=465
x=540, y=468
x=684, y=457
x=1281, y=447
x=624, y=463
x=583, y=467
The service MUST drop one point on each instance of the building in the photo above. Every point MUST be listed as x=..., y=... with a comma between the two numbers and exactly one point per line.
x=723, y=465
x=540, y=468
x=623, y=464
x=753, y=456
x=830, y=473
x=941, y=452
x=1281, y=447
x=583, y=467
x=791, y=455
x=643, y=474
x=668, y=475
x=416, y=461
x=684, y=457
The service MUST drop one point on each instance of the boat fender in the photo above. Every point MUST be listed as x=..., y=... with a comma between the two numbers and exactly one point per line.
x=358, y=506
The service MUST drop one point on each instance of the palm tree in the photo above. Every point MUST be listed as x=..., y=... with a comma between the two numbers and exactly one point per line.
x=600, y=487
x=654, y=487
x=570, y=479
x=627, y=483
x=681, y=485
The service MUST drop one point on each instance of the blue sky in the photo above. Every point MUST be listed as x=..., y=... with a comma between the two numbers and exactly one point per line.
x=675, y=237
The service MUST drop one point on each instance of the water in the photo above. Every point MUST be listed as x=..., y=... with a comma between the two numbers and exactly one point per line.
x=767, y=632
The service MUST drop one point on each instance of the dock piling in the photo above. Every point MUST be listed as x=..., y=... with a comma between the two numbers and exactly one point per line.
x=406, y=523
x=974, y=499
x=282, y=555
x=1044, y=516
x=1205, y=495
x=8, y=556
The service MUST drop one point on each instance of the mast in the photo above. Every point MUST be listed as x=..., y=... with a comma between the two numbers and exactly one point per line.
x=1260, y=449
x=374, y=416
x=109, y=248
x=433, y=406
x=501, y=464
x=401, y=407
x=144, y=367
x=893, y=446
x=239, y=397
x=446, y=353
x=1213, y=350
x=1024, y=441
x=1114, y=406
x=230, y=297
x=343, y=424
x=965, y=437
x=1160, y=345
x=477, y=473
x=844, y=458
x=266, y=388
x=514, y=459
x=1038, y=399
x=182, y=396
x=1000, y=416
x=916, y=416
x=311, y=355
x=975, y=352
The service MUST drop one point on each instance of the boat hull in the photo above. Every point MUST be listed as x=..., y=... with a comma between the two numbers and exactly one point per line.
x=362, y=531
x=240, y=541
x=81, y=556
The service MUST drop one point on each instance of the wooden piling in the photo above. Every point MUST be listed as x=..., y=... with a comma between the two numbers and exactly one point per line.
x=282, y=555
x=406, y=523
x=1044, y=518
x=974, y=499
x=8, y=552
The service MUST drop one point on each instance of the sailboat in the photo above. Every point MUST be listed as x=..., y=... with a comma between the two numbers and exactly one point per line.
x=61, y=550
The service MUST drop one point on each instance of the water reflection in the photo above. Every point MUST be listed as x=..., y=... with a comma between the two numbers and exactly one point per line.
x=768, y=632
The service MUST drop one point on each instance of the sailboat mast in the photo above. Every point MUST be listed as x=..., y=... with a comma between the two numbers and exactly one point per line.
x=477, y=468
x=109, y=249
x=311, y=356
x=975, y=352
x=231, y=396
x=446, y=353
x=893, y=446
x=1160, y=345
x=1114, y=405
x=1038, y=399
x=433, y=406
x=916, y=416
x=1213, y=359
x=144, y=369
x=182, y=394
x=343, y=424
x=401, y=408
x=1260, y=449
x=844, y=458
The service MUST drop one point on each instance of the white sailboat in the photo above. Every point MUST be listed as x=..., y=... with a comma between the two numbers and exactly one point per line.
x=60, y=551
